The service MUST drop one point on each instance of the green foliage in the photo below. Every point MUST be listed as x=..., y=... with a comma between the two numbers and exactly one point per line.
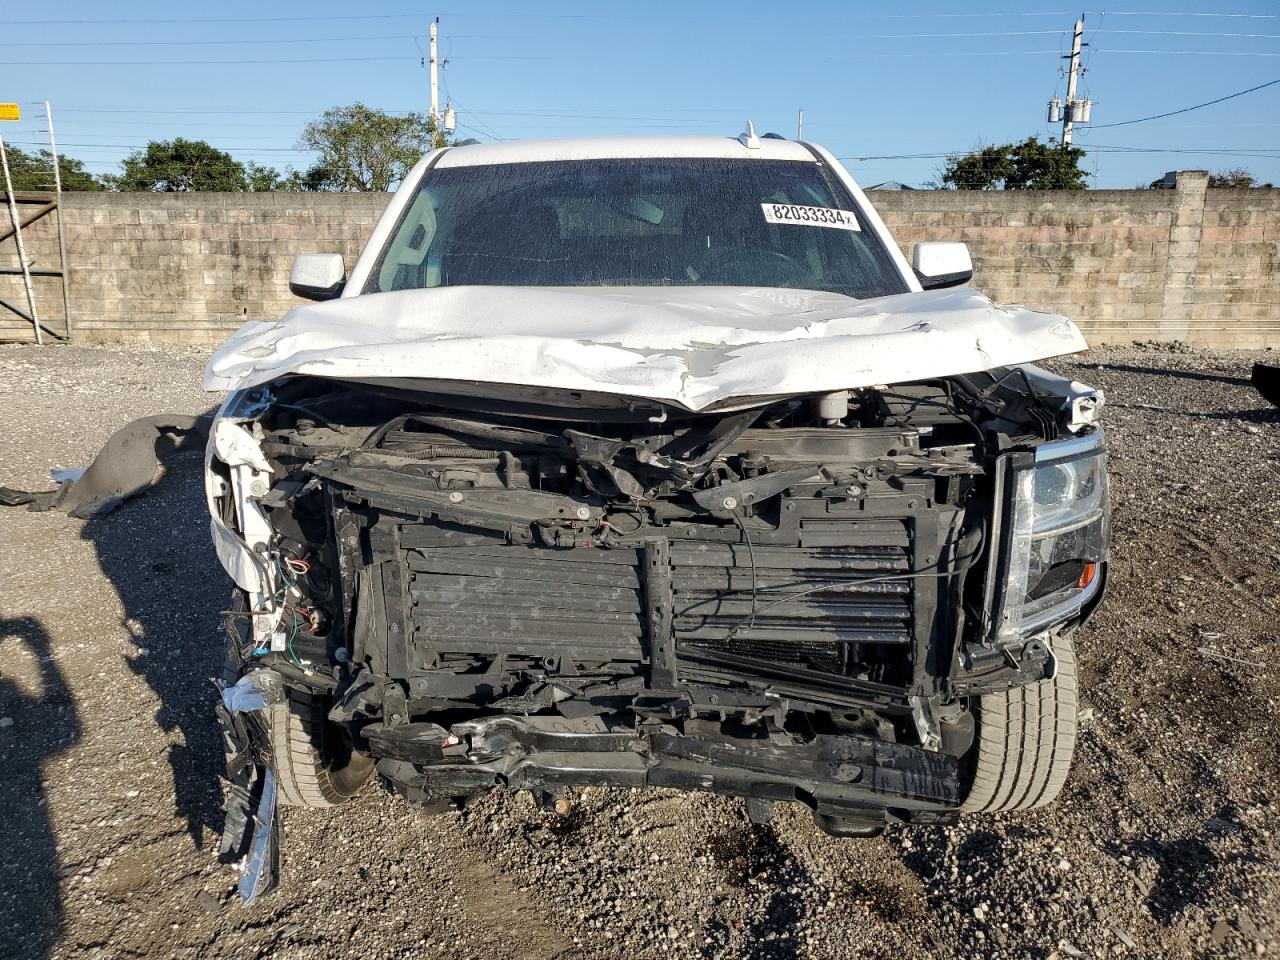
x=983, y=169
x=34, y=171
x=1030, y=165
x=364, y=149
x=262, y=178
x=178, y=165
x=1239, y=177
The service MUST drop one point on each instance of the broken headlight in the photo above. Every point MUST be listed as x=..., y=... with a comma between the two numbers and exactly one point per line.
x=1058, y=537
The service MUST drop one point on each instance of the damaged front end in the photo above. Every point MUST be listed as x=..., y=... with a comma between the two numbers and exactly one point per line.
x=530, y=589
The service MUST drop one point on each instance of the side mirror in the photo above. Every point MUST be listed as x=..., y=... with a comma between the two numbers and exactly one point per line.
x=317, y=276
x=941, y=264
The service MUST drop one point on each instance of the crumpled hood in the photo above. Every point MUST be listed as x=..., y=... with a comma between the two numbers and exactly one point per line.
x=694, y=347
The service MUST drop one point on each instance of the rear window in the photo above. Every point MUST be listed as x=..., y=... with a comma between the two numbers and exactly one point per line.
x=636, y=222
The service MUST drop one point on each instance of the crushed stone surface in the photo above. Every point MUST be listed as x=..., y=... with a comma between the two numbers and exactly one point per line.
x=1165, y=843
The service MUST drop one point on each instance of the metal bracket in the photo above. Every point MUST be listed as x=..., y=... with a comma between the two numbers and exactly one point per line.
x=659, y=610
x=926, y=721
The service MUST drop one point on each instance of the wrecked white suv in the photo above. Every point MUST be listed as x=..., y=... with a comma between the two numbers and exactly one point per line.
x=651, y=462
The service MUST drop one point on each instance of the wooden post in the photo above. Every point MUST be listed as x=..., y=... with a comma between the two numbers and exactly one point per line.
x=17, y=236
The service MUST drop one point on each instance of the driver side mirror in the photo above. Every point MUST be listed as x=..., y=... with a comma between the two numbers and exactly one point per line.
x=317, y=276
x=939, y=264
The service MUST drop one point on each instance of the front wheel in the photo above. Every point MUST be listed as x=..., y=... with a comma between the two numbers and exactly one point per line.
x=313, y=759
x=1025, y=738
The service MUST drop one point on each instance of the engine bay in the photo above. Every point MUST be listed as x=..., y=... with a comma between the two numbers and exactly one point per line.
x=785, y=602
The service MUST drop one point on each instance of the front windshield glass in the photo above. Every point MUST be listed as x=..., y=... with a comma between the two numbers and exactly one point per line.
x=636, y=222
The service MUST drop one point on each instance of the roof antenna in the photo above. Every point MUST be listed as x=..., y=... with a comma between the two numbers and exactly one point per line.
x=749, y=139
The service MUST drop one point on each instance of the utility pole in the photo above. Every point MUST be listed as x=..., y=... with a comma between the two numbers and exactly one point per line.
x=435, y=76
x=1069, y=114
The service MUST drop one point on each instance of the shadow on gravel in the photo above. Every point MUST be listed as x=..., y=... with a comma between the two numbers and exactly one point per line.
x=1189, y=870
x=43, y=724
x=1178, y=374
x=748, y=852
x=157, y=553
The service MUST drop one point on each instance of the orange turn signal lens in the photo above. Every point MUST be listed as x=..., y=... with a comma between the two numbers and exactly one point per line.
x=1087, y=574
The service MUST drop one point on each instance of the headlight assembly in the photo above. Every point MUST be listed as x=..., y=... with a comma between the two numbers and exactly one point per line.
x=1057, y=538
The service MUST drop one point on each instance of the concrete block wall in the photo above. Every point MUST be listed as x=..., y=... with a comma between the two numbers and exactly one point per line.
x=1097, y=256
x=1189, y=264
x=182, y=267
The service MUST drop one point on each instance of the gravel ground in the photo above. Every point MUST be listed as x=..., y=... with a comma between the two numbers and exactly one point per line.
x=1163, y=844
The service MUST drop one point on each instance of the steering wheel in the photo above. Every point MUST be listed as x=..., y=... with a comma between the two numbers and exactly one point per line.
x=768, y=267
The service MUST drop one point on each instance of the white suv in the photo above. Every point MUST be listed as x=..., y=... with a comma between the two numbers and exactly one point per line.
x=652, y=462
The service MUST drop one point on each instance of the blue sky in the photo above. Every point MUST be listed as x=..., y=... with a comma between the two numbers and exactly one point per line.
x=875, y=79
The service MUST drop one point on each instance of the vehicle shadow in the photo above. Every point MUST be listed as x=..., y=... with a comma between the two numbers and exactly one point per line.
x=750, y=851
x=40, y=723
x=156, y=552
x=1177, y=374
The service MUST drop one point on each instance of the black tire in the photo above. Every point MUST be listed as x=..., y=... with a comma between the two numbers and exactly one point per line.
x=1025, y=738
x=313, y=760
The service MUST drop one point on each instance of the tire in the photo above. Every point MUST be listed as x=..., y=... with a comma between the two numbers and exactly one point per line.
x=1024, y=741
x=314, y=763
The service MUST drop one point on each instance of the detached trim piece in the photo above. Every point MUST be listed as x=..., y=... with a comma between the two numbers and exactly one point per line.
x=125, y=467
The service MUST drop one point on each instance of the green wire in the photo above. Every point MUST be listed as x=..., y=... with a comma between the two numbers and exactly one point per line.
x=289, y=643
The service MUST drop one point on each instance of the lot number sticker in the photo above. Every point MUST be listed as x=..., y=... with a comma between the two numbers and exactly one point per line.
x=809, y=216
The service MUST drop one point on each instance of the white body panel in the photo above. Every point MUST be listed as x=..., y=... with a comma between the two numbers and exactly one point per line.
x=699, y=348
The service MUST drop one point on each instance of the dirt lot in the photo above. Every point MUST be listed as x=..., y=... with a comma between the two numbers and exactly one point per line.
x=1165, y=842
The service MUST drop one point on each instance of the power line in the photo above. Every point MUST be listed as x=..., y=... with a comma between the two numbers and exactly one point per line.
x=197, y=43
x=159, y=63
x=406, y=36
x=1174, y=113
x=1192, y=33
x=139, y=146
x=1266, y=152
x=542, y=16
x=417, y=36
x=377, y=16
x=410, y=59
x=1185, y=13
x=1197, y=53
x=188, y=63
x=539, y=16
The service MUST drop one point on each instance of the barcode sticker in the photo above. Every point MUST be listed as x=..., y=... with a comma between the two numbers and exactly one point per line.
x=809, y=216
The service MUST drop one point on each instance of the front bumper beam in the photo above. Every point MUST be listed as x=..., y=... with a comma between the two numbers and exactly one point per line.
x=837, y=776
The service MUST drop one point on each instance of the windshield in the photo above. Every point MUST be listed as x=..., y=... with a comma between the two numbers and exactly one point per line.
x=636, y=222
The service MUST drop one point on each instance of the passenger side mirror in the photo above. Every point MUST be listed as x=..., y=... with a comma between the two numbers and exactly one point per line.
x=939, y=264
x=317, y=276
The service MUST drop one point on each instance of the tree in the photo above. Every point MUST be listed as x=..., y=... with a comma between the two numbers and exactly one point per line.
x=1239, y=177
x=365, y=149
x=1030, y=165
x=178, y=165
x=34, y=171
x=982, y=169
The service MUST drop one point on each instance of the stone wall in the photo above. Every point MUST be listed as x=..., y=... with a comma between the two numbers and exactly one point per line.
x=1187, y=264
x=181, y=267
